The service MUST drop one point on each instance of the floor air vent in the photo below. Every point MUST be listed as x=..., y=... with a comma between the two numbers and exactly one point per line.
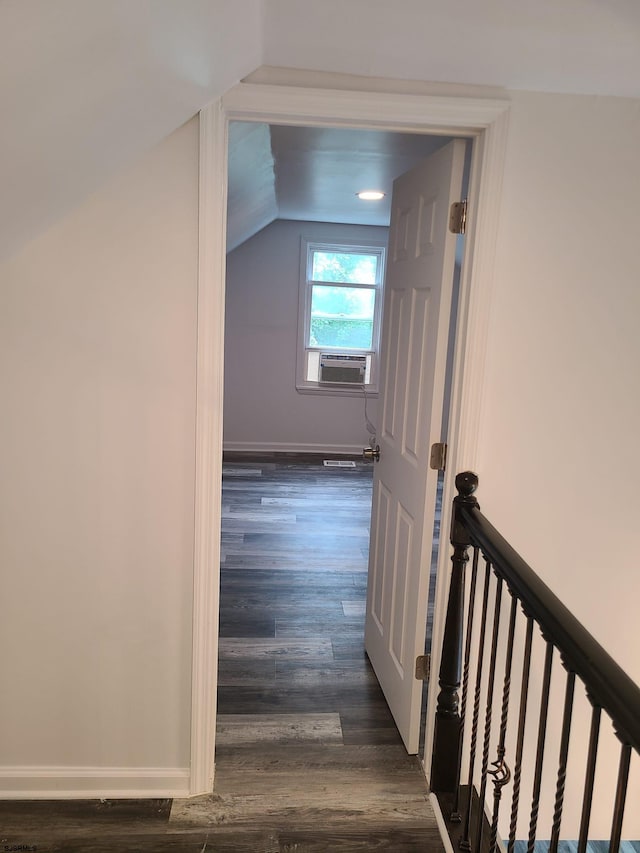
x=338, y=463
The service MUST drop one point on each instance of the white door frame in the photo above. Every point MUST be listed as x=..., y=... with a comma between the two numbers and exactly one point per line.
x=482, y=119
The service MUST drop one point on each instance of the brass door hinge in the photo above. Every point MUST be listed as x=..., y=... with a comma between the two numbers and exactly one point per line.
x=438, y=457
x=458, y=217
x=423, y=667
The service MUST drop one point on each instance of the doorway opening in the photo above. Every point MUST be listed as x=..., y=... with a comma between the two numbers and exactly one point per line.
x=265, y=412
x=483, y=120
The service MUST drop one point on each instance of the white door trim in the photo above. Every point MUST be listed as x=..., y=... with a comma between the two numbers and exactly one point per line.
x=209, y=395
x=484, y=120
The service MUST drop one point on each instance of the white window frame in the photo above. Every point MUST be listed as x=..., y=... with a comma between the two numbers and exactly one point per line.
x=307, y=247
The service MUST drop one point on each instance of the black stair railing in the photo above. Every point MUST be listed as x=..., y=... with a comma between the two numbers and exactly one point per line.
x=483, y=615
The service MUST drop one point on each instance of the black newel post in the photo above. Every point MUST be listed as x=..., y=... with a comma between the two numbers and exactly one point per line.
x=445, y=764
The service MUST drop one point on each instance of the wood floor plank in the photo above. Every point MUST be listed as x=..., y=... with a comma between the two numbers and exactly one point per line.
x=359, y=790
x=385, y=762
x=291, y=603
x=344, y=648
x=239, y=672
x=404, y=840
x=252, y=729
x=299, y=811
x=237, y=558
x=237, y=518
x=315, y=648
x=28, y=816
x=190, y=841
x=302, y=578
x=373, y=792
x=363, y=705
x=259, y=625
x=337, y=674
x=320, y=626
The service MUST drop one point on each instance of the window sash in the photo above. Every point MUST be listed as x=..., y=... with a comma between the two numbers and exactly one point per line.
x=342, y=249
x=366, y=277
x=352, y=328
x=308, y=351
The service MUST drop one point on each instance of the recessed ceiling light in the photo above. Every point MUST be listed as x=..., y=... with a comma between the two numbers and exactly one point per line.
x=371, y=195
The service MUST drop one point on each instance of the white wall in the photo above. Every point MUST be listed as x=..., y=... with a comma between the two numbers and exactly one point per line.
x=561, y=417
x=263, y=410
x=97, y=382
x=558, y=461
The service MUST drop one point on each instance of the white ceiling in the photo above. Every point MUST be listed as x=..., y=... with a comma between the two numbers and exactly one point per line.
x=320, y=170
x=578, y=46
x=314, y=174
x=86, y=86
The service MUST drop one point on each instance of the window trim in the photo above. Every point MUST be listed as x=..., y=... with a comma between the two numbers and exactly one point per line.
x=307, y=246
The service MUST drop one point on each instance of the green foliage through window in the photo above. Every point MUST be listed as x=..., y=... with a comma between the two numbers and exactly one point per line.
x=342, y=316
x=351, y=267
x=342, y=333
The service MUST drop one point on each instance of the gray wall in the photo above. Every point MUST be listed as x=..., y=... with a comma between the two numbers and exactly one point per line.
x=262, y=408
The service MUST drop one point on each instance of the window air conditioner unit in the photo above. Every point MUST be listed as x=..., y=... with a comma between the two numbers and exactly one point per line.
x=342, y=369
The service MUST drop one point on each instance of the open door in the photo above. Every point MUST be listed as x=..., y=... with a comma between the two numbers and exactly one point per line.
x=417, y=308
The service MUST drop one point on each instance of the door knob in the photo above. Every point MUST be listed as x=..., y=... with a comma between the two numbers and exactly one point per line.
x=371, y=454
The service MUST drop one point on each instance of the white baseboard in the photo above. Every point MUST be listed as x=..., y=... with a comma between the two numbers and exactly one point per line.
x=285, y=447
x=442, y=825
x=68, y=783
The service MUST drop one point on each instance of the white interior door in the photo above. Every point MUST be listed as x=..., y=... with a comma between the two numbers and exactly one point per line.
x=417, y=307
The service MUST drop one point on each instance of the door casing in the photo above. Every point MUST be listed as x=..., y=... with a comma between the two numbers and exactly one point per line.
x=483, y=120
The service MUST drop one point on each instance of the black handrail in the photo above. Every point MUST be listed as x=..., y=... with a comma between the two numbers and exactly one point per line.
x=607, y=686
x=606, y=683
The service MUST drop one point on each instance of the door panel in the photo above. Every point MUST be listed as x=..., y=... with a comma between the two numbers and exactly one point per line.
x=380, y=512
x=391, y=375
x=414, y=427
x=417, y=298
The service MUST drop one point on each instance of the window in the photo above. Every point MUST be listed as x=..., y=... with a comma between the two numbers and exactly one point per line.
x=340, y=307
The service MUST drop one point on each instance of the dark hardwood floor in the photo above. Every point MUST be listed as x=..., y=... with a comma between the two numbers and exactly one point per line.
x=307, y=748
x=308, y=757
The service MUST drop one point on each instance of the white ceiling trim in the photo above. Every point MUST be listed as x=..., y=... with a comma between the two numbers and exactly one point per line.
x=320, y=107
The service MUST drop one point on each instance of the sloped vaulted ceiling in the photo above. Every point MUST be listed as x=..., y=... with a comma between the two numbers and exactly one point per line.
x=252, y=203
x=86, y=86
x=314, y=174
